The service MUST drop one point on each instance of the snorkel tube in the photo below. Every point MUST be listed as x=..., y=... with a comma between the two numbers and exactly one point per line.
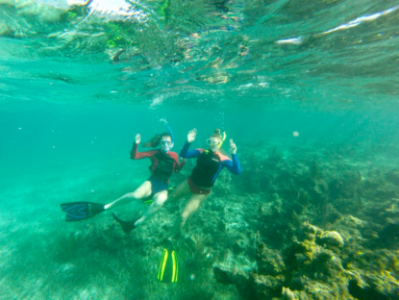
x=171, y=136
x=223, y=139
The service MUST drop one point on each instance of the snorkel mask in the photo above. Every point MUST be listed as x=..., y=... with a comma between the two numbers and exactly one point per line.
x=215, y=143
x=165, y=143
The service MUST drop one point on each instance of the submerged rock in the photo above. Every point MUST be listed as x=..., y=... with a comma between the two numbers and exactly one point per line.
x=266, y=286
x=239, y=246
x=332, y=238
x=269, y=261
x=375, y=274
x=241, y=280
x=223, y=275
x=364, y=291
x=287, y=294
x=305, y=265
x=309, y=231
x=358, y=211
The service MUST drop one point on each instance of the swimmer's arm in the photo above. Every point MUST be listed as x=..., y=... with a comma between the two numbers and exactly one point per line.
x=233, y=165
x=185, y=153
x=134, y=154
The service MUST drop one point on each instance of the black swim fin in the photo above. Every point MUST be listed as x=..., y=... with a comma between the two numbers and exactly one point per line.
x=127, y=226
x=77, y=211
x=168, y=270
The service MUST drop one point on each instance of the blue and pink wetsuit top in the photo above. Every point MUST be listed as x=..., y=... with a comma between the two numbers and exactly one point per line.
x=209, y=165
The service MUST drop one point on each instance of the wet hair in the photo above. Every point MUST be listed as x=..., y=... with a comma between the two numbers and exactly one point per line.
x=154, y=142
x=217, y=135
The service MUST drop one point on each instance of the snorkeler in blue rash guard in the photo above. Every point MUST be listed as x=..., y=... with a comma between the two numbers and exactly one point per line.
x=209, y=164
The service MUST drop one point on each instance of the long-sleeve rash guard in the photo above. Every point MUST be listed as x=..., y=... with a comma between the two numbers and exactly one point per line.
x=209, y=165
x=163, y=164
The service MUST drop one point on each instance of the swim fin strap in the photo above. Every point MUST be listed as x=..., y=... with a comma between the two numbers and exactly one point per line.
x=168, y=267
x=77, y=211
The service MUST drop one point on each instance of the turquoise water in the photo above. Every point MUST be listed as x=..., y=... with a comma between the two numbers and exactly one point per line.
x=307, y=90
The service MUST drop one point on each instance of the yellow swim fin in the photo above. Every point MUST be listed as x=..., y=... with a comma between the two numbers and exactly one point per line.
x=168, y=270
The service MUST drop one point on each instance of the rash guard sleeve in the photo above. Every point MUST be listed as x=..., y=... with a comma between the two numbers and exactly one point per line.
x=232, y=165
x=134, y=154
x=185, y=153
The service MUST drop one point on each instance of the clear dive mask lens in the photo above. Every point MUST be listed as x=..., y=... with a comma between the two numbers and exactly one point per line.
x=213, y=142
x=166, y=144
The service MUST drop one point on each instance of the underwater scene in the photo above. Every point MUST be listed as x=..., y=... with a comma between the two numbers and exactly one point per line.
x=199, y=149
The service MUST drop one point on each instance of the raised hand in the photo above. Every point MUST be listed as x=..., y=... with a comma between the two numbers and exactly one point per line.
x=233, y=147
x=138, y=138
x=191, y=135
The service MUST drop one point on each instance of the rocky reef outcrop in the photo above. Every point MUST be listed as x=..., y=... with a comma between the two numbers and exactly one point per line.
x=317, y=265
x=318, y=231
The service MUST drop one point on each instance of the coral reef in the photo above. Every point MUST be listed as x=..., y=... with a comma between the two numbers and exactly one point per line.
x=323, y=231
x=300, y=224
